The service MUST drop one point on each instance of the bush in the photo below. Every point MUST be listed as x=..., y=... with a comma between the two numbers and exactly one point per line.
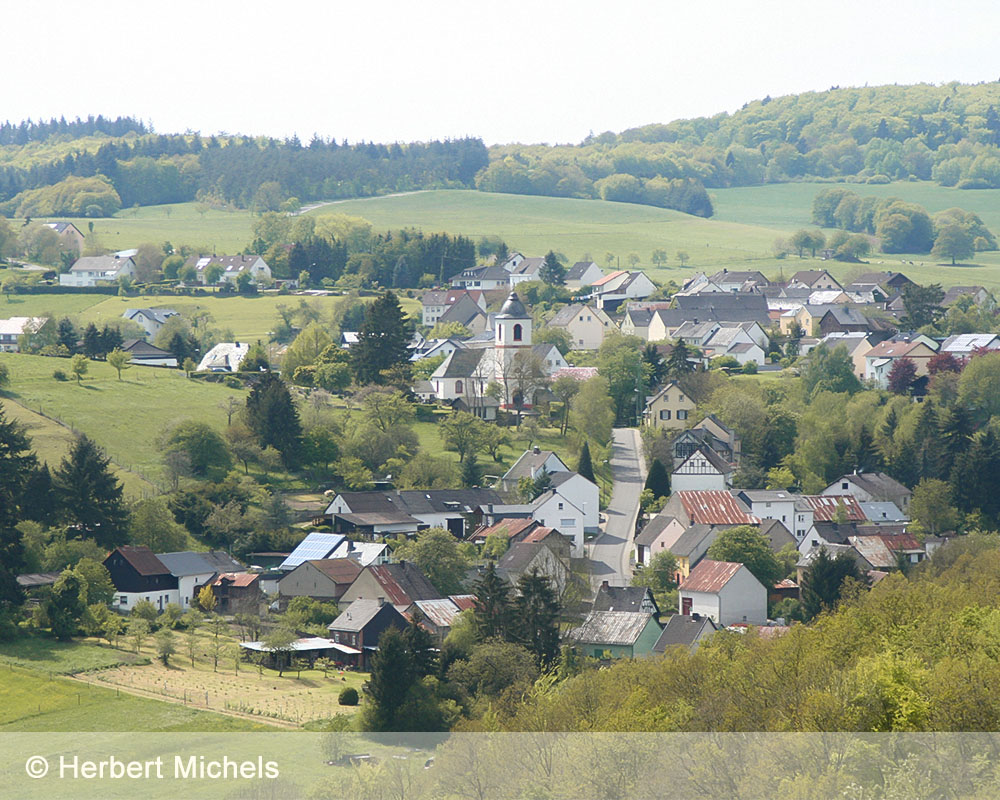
x=232, y=382
x=750, y=368
x=348, y=696
x=877, y=179
x=59, y=375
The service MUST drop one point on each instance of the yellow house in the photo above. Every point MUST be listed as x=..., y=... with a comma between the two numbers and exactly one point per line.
x=807, y=316
x=669, y=408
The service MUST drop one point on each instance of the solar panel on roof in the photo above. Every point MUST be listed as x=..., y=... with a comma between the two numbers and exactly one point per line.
x=314, y=546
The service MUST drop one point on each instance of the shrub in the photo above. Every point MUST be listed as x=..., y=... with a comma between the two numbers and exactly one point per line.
x=232, y=382
x=348, y=696
x=59, y=375
x=750, y=368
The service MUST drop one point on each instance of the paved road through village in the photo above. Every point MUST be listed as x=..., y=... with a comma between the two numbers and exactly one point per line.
x=610, y=552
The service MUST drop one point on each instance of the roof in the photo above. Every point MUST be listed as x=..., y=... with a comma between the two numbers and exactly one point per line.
x=100, y=264
x=568, y=313
x=826, y=506
x=713, y=458
x=314, y=546
x=15, y=326
x=160, y=315
x=684, y=630
x=357, y=615
x=883, y=510
x=513, y=308
x=240, y=580
x=191, y=563
x=877, y=484
x=403, y=583
x=540, y=534
x=577, y=271
x=224, y=356
x=715, y=507
x=893, y=349
x=955, y=292
x=529, y=462
x=710, y=576
x=364, y=553
x=505, y=527
x=968, y=342
x=519, y=557
x=738, y=276
x=460, y=364
x=809, y=276
x=306, y=644
x=834, y=550
x=339, y=570
x=142, y=349
x=230, y=264
x=845, y=315
x=621, y=598
x=653, y=529
x=464, y=312
x=142, y=560
x=33, y=579
x=579, y=373
x=621, y=628
x=440, y=612
x=609, y=277
x=882, y=551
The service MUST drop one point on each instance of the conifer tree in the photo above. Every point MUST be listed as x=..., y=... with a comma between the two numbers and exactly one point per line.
x=392, y=675
x=382, y=340
x=472, y=473
x=551, y=271
x=492, y=609
x=677, y=362
x=536, y=617
x=273, y=416
x=90, y=496
x=658, y=479
x=585, y=466
x=824, y=580
x=92, y=341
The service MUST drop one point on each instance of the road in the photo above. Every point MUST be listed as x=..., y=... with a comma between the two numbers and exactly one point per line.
x=610, y=552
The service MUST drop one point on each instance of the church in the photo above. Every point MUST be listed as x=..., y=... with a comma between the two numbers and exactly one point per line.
x=503, y=363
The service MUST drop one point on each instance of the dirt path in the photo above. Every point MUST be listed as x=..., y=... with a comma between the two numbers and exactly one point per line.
x=314, y=206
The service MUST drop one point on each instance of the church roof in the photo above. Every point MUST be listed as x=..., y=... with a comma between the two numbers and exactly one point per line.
x=513, y=308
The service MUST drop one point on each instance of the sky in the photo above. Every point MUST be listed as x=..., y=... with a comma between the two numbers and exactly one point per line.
x=511, y=71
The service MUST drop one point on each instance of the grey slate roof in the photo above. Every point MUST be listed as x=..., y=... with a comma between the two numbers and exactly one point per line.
x=620, y=628
x=684, y=630
x=358, y=614
x=513, y=308
x=577, y=271
x=653, y=529
x=192, y=563
x=621, y=598
x=460, y=364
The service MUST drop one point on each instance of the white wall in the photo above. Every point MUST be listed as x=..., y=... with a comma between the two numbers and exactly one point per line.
x=743, y=599
x=680, y=482
x=160, y=599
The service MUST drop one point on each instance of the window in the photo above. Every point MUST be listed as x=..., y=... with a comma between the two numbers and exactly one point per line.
x=560, y=506
x=682, y=414
x=665, y=414
x=123, y=600
x=517, y=333
x=767, y=505
x=567, y=522
x=843, y=485
x=458, y=387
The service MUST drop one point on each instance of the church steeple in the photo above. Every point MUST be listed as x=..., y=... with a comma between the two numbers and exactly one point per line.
x=513, y=324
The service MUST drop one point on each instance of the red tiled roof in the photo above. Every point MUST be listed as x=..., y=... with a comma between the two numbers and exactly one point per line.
x=403, y=583
x=143, y=560
x=891, y=349
x=606, y=278
x=238, y=579
x=538, y=534
x=715, y=507
x=463, y=601
x=710, y=576
x=824, y=507
x=507, y=527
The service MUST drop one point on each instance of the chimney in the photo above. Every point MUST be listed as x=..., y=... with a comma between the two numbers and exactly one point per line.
x=536, y=450
x=381, y=602
x=695, y=616
x=605, y=585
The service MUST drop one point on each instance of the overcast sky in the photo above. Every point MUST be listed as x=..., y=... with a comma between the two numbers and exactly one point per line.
x=507, y=71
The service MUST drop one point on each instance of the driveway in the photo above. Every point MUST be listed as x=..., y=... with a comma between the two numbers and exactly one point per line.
x=610, y=552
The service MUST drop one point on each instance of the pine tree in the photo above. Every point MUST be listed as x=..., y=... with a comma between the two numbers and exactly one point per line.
x=92, y=341
x=17, y=464
x=677, y=363
x=37, y=499
x=179, y=347
x=420, y=646
x=111, y=338
x=927, y=441
x=536, y=617
x=472, y=473
x=656, y=367
x=956, y=428
x=382, y=340
x=973, y=478
x=67, y=334
x=392, y=675
x=551, y=271
x=90, y=496
x=273, y=416
x=658, y=479
x=401, y=274
x=824, y=580
x=298, y=260
x=492, y=609
x=584, y=466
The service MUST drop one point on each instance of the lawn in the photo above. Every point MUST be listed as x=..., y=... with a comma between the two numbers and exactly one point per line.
x=124, y=417
x=32, y=701
x=64, y=658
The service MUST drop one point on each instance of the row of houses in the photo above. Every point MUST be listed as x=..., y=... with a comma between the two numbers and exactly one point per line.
x=91, y=271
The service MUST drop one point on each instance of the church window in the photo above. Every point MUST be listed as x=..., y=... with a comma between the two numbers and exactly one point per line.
x=517, y=333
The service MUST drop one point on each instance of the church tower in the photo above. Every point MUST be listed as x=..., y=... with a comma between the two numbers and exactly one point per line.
x=511, y=335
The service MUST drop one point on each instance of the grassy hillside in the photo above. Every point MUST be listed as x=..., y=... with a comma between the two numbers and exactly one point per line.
x=124, y=417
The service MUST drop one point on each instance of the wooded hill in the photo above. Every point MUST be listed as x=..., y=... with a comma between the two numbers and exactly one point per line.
x=949, y=134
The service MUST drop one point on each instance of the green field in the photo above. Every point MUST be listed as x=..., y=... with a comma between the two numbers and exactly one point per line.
x=63, y=658
x=207, y=230
x=32, y=701
x=124, y=417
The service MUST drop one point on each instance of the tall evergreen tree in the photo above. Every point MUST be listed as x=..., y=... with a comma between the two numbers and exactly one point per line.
x=677, y=362
x=273, y=416
x=551, y=271
x=956, y=429
x=585, y=466
x=472, y=473
x=973, y=477
x=90, y=496
x=392, y=675
x=536, y=617
x=17, y=465
x=823, y=581
x=656, y=367
x=658, y=479
x=92, y=341
x=111, y=338
x=493, y=606
x=382, y=340
x=37, y=500
x=67, y=334
x=927, y=441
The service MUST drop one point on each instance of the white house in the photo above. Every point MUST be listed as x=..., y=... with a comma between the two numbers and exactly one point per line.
x=232, y=267
x=724, y=591
x=703, y=470
x=436, y=302
x=658, y=535
x=554, y=510
x=436, y=347
x=787, y=507
x=194, y=570
x=224, y=357
x=868, y=487
x=614, y=289
x=586, y=325
x=583, y=273
x=91, y=270
x=582, y=493
x=150, y=319
x=531, y=464
x=13, y=328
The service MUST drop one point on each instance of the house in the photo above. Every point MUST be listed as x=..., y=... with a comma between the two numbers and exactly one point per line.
x=708, y=508
x=323, y=579
x=147, y=355
x=844, y=319
x=636, y=323
x=703, y=470
x=231, y=268
x=722, y=307
x=526, y=269
x=724, y=591
x=396, y=513
x=709, y=431
x=828, y=297
x=365, y=553
x=696, y=334
x=436, y=616
x=830, y=533
x=486, y=408
x=892, y=281
x=433, y=348
x=361, y=625
x=150, y=319
x=656, y=536
x=192, y=570
x=138, y=574
x=561, y=545
x=880, y=512
x=691, y=546
x=583, y=274
x=669, y=408
x=625, y=598
x=786, y=507
x=484, y=278
x=237, y=593
x=618, y=287
x=868, y=487
x=582, y=493
x=93, y=270
x=466, y=312
x=810, y=554
x=745, y=353
x=814, y=279
x=617, y=634
x=880, y=359
x=685, y=630
x=777, y=534
x=314, y=546
x=888, y=552
x=965, y=345
x=738, y=280
x=69, y=235
x=434, y=303
x=525, y=557
x=12, y=329
x=530, y=464
x=978, y=294
x=224, y=357
x=512, y=529
x=833, y=507
x=857, y=345
x=552, y=509
x=586, y=325
x=401, y=584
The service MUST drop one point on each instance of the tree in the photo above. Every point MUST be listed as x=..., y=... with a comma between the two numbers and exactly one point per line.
x=92, y=341
x=153, y=525
x=584, y=466
x=931, y=507
x=165, y=645
x=492, y=667
x=392, y=675
x=382, y=340
x=385, y=408
x=954, y=242
x=823, y=581
x=979, y=386
x=306, y=348
x=97, y=580
x=272, y=415
x=923, y=304
x=208, y=456
x=120, y=360
x=902, y=375
x=746, y=545
x=677, y=362
x=683, y=257
x=17, y=465
x=492, y=605
x=472, y=473
x=565, y=388
x=278, y=643
x=206, y=599
x=137, y=632
x=658, y=479
x=67, y=604
x=552, y=272
x=492, y=439
x=439, y=556
x=830, y=370
x=659, y=257
x=463, y=433
x=536, y=617
x=592, y=412
x=619, y=361
x=660, y=577
x=90, y=495
x=78, y=366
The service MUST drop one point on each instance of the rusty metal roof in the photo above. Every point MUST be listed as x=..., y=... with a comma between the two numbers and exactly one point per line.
x=507, y=527
x=715, y=507
x=440, y=613
x=824, y=507
x=710, y=576
x=465, y=602
x=621, y=628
